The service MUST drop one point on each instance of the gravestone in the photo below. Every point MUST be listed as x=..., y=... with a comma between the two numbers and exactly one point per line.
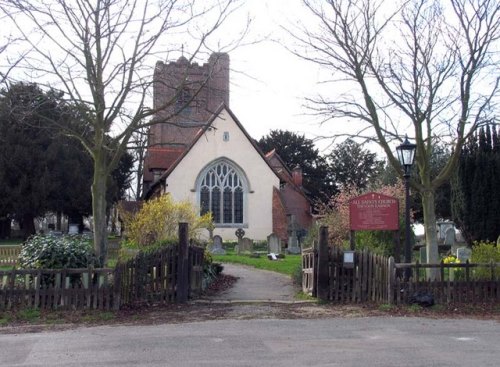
x=449, y=237
x=463, y=254
x=240, y=233
x=73, y=228
x=273, y=244
x=216, y=248
x=293, y=241
x=246, y=245
x=423, y=254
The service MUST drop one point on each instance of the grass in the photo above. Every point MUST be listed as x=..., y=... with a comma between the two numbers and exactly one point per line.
x=287, y=266
x=28, y=314
x=11, y=242
x=304, y=297
x=5, y=319
x=414, y=308
x=385, y=307
x=6, y=267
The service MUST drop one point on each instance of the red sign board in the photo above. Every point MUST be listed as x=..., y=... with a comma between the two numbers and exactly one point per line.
x=374, y=211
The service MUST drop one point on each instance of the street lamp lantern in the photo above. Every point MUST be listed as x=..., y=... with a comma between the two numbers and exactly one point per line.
x=406, y=156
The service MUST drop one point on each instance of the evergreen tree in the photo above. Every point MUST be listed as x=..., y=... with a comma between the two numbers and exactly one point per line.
x=41, y=169
x=351, y=165
x=475, y=194
x=297, y=150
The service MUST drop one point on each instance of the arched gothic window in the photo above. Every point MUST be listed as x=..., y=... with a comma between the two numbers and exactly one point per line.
x=222, y=193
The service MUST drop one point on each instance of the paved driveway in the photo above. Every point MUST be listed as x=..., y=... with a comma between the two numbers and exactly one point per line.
x=376, y=341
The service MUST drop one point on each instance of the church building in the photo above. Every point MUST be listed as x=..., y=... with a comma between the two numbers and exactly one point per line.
x=204, y=154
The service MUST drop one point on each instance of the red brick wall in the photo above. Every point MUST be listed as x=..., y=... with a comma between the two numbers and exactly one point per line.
x=280, y=224
x=209, y=83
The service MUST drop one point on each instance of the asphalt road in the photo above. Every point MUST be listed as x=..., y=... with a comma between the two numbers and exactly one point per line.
x=374, y=341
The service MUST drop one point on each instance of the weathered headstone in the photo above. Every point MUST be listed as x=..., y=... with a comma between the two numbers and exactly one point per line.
x=246, y=245
x=240, y=233
x=449, y=237
x=293, y=241
x=73, y=228
x=442, y=228
x=216, y=248
x=423, y=254
x=463, y=254
x=273, y=244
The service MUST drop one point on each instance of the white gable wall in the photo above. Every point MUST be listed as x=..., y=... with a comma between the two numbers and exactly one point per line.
x=181, y=183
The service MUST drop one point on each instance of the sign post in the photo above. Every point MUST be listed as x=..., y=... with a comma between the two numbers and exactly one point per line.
x=374, y=211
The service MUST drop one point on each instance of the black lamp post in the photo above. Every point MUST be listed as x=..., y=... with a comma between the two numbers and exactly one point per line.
x=406, y=156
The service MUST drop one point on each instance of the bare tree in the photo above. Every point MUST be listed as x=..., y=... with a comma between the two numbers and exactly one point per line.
x=428, y=68
x=101, y=53
x=137, y=147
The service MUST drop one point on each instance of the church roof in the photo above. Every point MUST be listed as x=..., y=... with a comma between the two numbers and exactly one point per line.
x=160, y=158
x=200, y=133
x=279, y=166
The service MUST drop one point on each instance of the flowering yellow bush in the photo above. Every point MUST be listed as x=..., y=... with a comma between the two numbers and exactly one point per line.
x=451, y=260
x=158, y=221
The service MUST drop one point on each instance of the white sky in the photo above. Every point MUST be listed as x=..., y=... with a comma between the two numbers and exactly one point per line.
x=268, y=83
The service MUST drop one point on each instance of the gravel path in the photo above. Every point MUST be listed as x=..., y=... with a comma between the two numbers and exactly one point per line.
x=256, y=285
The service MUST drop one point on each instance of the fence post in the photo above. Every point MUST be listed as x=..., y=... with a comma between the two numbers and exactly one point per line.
x=182, y=264
x=390, y=280
x=323, y=271
x=117, y=286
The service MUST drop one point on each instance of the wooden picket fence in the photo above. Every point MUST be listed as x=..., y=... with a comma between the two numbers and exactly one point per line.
x=62, y=288
x=458, y=283
x=9, y=255
x=154, y=277
x=365, y=281
x=375, y=278
x=309, y=267
x=170, y=274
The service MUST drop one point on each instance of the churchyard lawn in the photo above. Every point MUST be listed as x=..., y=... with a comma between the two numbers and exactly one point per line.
x=287, y=266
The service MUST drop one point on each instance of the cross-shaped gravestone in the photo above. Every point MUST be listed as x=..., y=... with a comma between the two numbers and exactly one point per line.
x=240, y=233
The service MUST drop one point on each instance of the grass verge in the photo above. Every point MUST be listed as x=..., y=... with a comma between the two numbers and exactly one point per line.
x=287, y=266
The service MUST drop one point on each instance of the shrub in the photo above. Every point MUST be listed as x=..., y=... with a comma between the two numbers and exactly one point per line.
x=158, y=221
x=453, y=273
x=485, y=252
x=335, y=215
x=211, y=270
x=50, y=252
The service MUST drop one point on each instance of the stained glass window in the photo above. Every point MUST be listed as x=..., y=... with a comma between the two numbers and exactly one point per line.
x=221, y=192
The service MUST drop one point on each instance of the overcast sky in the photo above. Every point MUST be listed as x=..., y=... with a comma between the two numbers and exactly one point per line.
x=268, y=83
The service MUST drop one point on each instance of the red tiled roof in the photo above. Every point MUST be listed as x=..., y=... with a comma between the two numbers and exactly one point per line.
x=160, y=158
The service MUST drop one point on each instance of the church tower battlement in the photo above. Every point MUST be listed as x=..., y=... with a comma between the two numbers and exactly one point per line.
x=196, y=89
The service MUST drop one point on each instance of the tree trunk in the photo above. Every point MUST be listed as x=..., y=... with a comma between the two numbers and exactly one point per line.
x=99, y=210
x=27, y=226
x=429, y=208
x=58, y=221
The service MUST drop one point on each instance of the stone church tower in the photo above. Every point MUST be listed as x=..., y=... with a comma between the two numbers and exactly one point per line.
x=196, y=91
